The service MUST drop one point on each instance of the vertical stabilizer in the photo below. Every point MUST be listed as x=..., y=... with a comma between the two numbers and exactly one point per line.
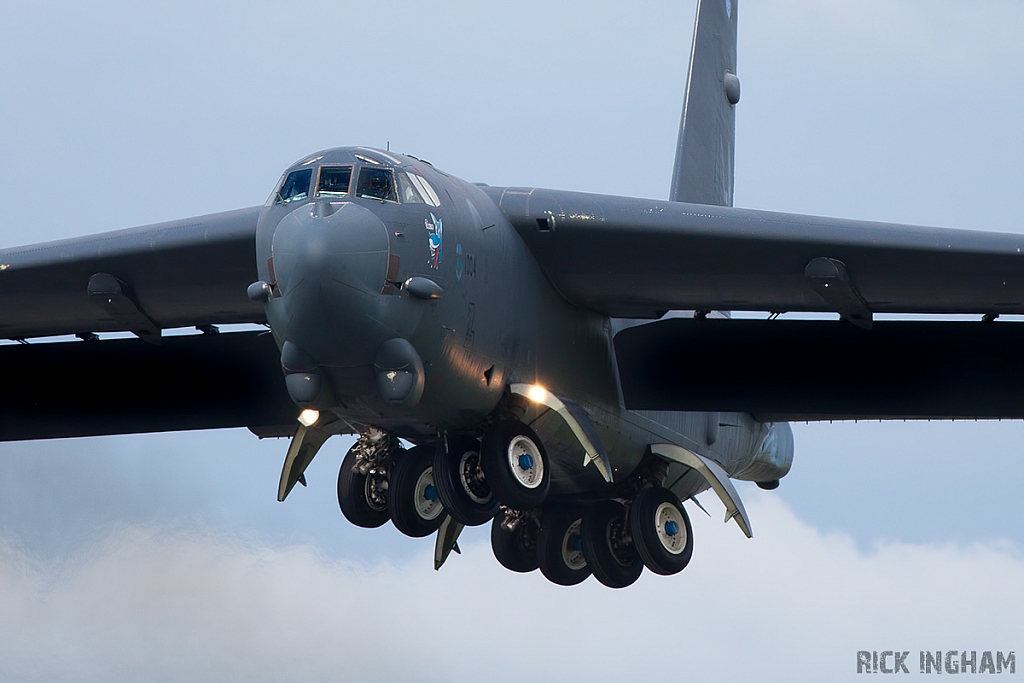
x=703, y=170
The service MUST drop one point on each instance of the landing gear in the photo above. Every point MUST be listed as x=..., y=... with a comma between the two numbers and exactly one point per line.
x=514, y=540
x=516, y=465
x=608, y=547
x=459, y=476
x=661, y=531
x=430, y=489
x=363, y=497
x=560, y=548
x=416, y=509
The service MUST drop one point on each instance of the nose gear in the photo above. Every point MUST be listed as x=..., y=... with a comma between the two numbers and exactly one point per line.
x=413, y=511
x=461, y=484
x=363, y=479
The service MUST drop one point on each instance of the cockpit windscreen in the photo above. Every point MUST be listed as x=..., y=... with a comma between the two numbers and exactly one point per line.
x=296, y=186
x=334, y=181
x=376, y=183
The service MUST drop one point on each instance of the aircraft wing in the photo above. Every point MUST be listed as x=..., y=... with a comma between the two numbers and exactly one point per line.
x=185, y=273
x=639, y=258
x=798, y=370
x=630, y=257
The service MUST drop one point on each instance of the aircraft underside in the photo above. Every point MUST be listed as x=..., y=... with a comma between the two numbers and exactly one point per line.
x=546, y=498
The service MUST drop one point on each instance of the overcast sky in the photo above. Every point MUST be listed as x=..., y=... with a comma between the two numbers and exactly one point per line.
x=166, y=557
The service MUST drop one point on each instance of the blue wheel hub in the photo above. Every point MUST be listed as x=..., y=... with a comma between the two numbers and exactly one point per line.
x=430, y=493
x=525, y=461
x=671, y=528
x=575, y=543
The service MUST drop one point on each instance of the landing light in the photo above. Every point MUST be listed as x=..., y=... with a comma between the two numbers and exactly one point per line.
x=537, y=393
x=308, y=417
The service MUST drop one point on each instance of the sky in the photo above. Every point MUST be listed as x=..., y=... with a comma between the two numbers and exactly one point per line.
x=167, y=557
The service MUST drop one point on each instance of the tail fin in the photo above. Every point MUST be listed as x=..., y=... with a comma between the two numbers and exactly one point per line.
x=703, y=172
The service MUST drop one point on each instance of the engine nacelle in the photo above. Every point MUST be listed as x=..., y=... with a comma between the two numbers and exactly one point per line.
x=772, y=458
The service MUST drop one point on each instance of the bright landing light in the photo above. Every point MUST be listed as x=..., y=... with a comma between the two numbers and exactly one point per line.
x=308, y=417
x=537, y=393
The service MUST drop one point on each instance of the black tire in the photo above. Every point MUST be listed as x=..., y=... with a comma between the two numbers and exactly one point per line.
x=523, y=485
x=560, y=548
x=613, y=560
x=458, y=475
x=362, y=499
x=661, y=531
x=412, y=497
x=514, y=550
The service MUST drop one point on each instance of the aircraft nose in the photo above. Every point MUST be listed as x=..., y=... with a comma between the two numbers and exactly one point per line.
x=322, y=243
x=331, y=263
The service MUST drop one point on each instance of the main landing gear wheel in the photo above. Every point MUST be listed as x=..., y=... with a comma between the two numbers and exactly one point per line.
x=661, y=531
x=609, y=550
x=516, y=465
x=559, y=547
x=363, y=498
x=516, y=549
x=459, y=477
x=416, y=509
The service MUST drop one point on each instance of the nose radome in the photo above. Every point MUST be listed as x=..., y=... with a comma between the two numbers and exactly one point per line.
x=330, y=269
x=344, y=243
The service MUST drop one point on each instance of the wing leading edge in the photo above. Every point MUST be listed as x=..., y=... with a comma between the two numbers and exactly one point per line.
x=182, y=273
x=629, y=257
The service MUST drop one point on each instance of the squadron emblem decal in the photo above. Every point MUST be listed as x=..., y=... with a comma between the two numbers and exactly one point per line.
x=433, y=225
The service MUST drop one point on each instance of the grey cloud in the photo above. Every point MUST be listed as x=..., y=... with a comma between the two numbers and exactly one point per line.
x=195, y=604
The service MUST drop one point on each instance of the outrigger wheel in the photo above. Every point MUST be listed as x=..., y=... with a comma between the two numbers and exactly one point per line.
x=516, y=465
x=460, y=481
x=610, y=552
x=661, y=531
x=416, y=509
x=363, y=498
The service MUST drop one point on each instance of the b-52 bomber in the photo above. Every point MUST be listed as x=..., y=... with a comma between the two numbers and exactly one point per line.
x=560, y=365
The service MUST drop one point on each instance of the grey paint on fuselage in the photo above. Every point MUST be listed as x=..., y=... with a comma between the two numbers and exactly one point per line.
x=499, y=321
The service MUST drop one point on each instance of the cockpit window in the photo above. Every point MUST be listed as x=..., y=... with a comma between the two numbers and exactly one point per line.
x=426, y=191
x=376, y=183
x=334, y=181
x=296, y=186
x=407, y=190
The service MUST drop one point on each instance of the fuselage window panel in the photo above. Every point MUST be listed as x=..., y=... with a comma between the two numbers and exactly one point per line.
x=408, y=190
x=334, y=181
x=296, y=186
x=376, y=183
x=426, y=191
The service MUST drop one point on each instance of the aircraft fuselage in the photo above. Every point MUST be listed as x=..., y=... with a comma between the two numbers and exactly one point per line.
x=406, y=252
